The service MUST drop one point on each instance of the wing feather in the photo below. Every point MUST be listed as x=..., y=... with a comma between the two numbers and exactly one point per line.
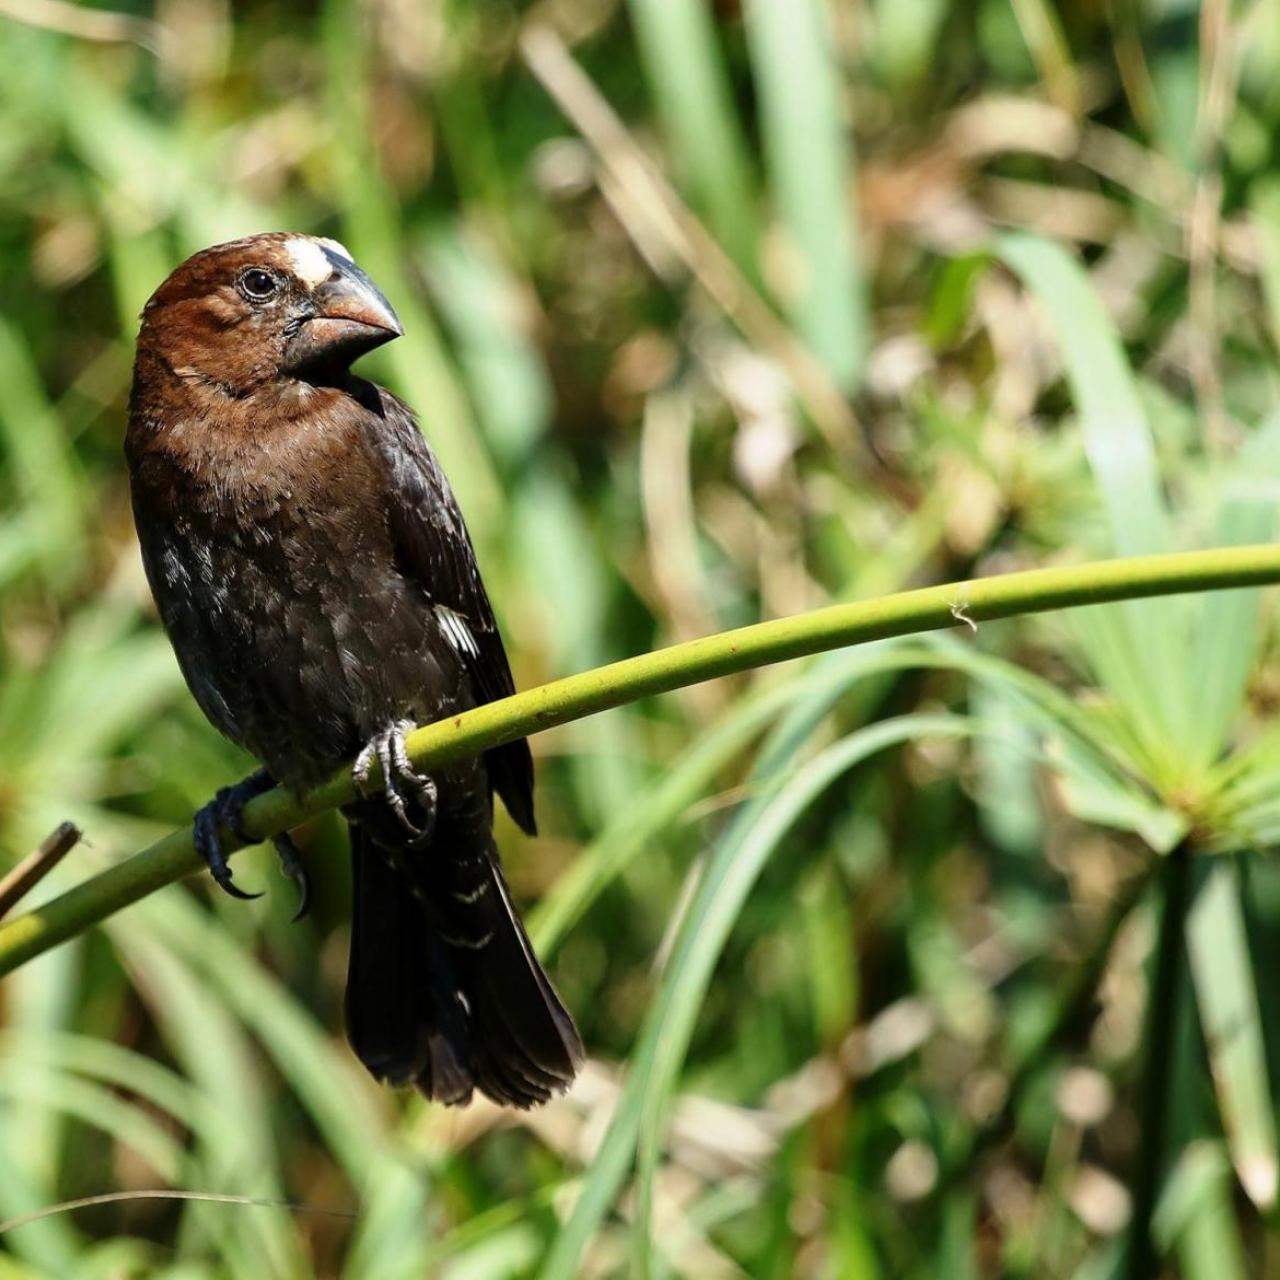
x=435, y=549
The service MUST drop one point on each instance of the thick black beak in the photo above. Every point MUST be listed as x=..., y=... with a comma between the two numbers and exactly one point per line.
x=351, y=318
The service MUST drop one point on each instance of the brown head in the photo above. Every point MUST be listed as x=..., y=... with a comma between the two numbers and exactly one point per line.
x=260, y=312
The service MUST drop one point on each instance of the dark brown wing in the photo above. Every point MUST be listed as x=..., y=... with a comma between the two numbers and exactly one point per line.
x=435, y=549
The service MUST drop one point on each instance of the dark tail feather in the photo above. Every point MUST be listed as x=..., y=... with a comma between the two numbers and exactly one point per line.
x=404, y=1018
x=447, y=994
x=525, y=1045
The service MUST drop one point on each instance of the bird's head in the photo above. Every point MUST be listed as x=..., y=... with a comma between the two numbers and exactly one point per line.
x=266, y=308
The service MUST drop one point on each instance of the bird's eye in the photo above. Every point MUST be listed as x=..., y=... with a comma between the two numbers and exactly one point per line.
x=258, y=285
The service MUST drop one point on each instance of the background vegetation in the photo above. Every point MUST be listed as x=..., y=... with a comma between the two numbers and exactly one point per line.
x=915, y=960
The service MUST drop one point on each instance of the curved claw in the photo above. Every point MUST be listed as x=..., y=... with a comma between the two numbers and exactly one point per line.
x=293, y=868
x=229, y=886
x=209, y=846
x=401, y=780
x=224, y=811
x=304, y=899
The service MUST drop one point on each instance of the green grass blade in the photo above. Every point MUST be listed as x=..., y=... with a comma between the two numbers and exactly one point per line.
x=51, y=1244
x=561, y=552
x=1046, y=43
x=810, y=161
x=611, y=1163
x=123, y=1256
x=41, y=466
x=39, y=1003
x=905, y=32
x=106, y=1063
x=100, y=1108
x=389, y=1242
x=1226, y=636
x=830, y=944
x=685, y=70
x=1139, y=649
x=1112, y=640
x=235, y=1157
x=488, y=315
x=1117, y=438
x=1107, y=799
x=322, y=1074
x=653, y=811
x=1196, y=1218
x=1010, y=811
x=736, y=864
x=641, y=1112
x=1228, y=1002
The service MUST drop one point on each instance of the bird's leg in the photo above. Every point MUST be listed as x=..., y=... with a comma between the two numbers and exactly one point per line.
x=292, y=866
x=402, y=781
x=224, y=812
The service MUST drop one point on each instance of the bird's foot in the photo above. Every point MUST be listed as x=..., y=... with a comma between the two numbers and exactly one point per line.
x=291, y=865
x=402, y=781
x=223, y=812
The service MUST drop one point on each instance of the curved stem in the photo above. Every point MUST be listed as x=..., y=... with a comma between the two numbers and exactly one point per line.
x=1142, y=1260
x=908, y=613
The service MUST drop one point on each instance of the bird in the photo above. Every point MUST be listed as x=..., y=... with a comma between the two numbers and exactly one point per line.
x=314, y=574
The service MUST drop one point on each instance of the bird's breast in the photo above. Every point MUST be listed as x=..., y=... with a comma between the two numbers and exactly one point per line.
x=283, y=595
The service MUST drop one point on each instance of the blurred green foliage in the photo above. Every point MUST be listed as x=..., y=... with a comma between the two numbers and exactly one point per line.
x=714, y=312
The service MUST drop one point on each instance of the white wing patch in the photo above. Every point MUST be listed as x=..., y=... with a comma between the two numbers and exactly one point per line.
x=308, y=259
x=455, y=629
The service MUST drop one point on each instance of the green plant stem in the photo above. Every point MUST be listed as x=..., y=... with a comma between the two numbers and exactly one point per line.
x=908, y=613
x=1141, y=1261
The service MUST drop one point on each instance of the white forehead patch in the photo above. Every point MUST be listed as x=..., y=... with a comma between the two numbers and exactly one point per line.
x=336, y=246
x=308, y=259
